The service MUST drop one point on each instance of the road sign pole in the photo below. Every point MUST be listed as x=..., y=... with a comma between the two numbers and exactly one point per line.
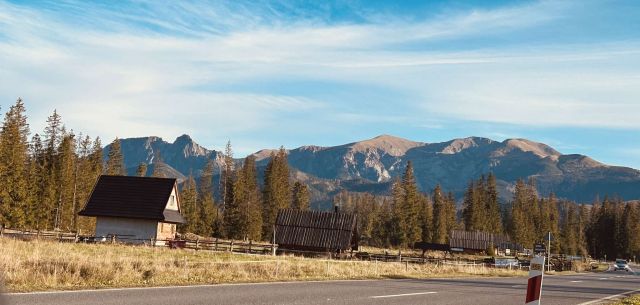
x=534, y=284
x=549, y=251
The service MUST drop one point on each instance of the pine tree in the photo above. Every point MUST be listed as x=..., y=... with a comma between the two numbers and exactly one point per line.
x=471, y=209
x=250, y=198
x=141, y=170
x=411, y=205
x=160, y=169
x=14, y=152
x=227, y=176
x=115, y=162
x=426, y=218
x=301, y=198
x=87, y=174
x=189, y=206
x=277, y=192
x=67, y=206
x=207, y=211
x=494, y=221
x=36, y=214
x=398, y=226
x=440, y=217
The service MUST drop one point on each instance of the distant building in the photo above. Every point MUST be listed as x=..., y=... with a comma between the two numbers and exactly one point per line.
x=316, y=231
x=477, y=241
x=135, y=209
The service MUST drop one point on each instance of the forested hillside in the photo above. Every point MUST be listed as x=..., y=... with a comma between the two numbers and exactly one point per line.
x=46, y=179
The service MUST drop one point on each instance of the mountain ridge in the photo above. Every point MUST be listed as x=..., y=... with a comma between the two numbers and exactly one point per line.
x=372, y=164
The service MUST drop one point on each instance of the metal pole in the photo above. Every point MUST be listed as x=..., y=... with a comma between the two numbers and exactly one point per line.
x=273, y=242
x=548, y=251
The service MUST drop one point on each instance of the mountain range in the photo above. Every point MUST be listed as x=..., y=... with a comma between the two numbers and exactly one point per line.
x=371, y=165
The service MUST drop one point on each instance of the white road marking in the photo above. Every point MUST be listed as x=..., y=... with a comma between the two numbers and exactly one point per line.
x=517, y=286
x=576, y=281
x=603, y=278
x=610, y=297
x=401, y=295
x=175, y=287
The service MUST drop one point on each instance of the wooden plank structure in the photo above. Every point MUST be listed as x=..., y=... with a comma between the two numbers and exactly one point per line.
x=316, y=231
x=478, y=241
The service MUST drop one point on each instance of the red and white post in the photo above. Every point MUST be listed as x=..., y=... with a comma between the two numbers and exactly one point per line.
x=534, y=286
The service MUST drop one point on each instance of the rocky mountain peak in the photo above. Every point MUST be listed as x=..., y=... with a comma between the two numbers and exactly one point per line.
x=539, y=149
x=390, y=145
x=458, y=145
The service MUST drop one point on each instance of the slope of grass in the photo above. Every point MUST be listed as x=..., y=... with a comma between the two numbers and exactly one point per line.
x=632, y=300
x=45, y=265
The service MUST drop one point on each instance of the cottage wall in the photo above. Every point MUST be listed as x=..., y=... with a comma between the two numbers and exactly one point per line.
x=172, y=203
x=131, y=230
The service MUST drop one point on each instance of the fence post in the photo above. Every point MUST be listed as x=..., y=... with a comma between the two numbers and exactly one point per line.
x=2, y=230
x=216, y=244
x=75, y=240
x=197, y=243
x=231, y=247
x=113, y=239
x=406, y=266
x=327, y=268
x=399, y=255
x=249, y=247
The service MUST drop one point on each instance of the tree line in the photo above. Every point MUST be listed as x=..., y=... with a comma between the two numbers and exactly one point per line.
x=46, y=178
x=608, y=228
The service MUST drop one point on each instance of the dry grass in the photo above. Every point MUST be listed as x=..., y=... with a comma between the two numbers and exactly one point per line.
x=632, y=300
x=44, y=265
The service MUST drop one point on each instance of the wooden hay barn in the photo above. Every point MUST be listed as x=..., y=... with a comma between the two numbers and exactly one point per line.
x=135, y=209
x=477, y=241
x=316, y=231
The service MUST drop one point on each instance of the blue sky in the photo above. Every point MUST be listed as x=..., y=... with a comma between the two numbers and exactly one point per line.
x=271, y=73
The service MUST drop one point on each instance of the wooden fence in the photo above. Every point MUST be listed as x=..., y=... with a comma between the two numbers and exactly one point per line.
x=195, y=244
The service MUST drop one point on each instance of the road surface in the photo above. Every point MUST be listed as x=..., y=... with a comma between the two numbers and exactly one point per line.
x=583, y=289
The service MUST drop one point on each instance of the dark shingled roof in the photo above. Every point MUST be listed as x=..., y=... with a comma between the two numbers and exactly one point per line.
x=315, y=230
x=132, y=197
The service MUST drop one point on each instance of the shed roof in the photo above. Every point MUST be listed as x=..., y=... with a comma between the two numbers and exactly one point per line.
x=315, y=230
x=132, y=197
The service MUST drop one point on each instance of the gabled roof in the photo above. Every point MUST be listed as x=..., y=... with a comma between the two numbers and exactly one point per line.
x=315, y=230
x=132, y=197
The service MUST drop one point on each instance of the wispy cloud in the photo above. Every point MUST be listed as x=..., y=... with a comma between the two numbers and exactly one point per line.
x=139, y=68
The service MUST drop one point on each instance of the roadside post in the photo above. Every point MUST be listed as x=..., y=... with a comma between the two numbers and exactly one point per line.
x=534, y=285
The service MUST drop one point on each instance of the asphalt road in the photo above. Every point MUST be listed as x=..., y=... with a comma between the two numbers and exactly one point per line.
x=583, y=289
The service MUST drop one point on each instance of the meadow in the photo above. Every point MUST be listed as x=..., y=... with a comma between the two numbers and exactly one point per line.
x=40, y=265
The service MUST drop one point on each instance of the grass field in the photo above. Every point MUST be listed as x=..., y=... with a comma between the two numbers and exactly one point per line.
x=46, y=265
x=632, y=300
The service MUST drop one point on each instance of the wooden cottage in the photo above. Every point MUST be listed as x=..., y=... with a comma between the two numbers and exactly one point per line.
x=135, y=209
x=316, y=231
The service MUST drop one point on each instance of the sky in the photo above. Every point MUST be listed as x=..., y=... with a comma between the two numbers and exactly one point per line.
x=268, y=73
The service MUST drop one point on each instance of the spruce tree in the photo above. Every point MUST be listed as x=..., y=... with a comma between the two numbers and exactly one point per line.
x=189, y=206
x=398, y=228
x=141, y=170
x=160, y=169
x=67, y=205
x=227, y=176
x=14, y=153
x=115, y=162
x=207, y=211
x=301, y=198
x=492, y=206
x=411, y=205
x=251, y=203
x=277, y=192
x=440, y=217
x=426, y=218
